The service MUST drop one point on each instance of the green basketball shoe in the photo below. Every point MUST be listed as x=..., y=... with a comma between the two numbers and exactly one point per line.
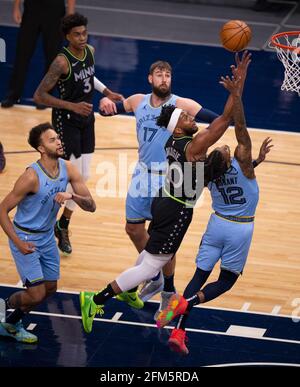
x=89, y=310
x=131, y=298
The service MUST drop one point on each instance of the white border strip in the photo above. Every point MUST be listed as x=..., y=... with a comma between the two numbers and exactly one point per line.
x=197, y=306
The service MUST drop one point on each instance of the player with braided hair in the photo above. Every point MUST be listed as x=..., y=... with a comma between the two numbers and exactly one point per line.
x=229, y=232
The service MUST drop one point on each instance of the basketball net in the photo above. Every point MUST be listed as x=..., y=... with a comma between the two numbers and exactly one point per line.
x=287, y=45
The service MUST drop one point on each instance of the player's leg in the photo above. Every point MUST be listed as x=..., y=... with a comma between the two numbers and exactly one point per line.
x=23, y=301
x=208, y=254
x=70, y=136
x=92, y=304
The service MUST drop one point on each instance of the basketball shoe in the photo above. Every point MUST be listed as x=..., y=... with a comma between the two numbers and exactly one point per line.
x=177, y=341
x=17, y=332
x=131, y=298
x=62, y=234
x=89, y=310
x=177, y=305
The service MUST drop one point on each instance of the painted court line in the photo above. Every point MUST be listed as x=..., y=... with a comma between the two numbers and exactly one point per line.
x=246, y=306
x=31, y=327
x=117, y=316
x=237, y=330
x=276, y=309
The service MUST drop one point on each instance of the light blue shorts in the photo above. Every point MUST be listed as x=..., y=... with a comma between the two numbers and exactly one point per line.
x=226, y=240
x=43, y=264
x=143, y=188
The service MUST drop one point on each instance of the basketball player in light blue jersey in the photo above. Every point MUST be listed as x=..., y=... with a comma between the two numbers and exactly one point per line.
x=149, y=173
x=229, y=231
x=38, y=194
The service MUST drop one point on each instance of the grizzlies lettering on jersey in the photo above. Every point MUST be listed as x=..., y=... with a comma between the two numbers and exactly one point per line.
x=185, y=180
x=233, y=193
x=151, y=138
x=38, y=211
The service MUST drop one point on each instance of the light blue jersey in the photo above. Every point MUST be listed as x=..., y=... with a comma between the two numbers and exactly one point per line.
x=38, y=211
x=34, y=222
x=151, y=138
x=234, y=194
x=229, y=231
x=148, y=175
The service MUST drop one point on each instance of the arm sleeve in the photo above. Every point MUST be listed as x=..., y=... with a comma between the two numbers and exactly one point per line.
x=206, y=115
x=120, y=110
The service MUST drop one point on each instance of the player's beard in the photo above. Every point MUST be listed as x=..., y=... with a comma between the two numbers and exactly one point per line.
x=191, y=131
x=160, y=93
x=53, y=155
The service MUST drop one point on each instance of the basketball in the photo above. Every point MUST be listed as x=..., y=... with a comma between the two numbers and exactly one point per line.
x=235, y=35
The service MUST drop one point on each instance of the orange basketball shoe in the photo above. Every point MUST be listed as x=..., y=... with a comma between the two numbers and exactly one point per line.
x=177, y=341
x=176, y=306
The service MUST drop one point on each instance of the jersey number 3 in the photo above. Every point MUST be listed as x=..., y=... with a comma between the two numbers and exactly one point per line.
x=87, y=85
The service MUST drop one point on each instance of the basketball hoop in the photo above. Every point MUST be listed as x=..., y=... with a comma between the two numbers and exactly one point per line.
x=287, y=45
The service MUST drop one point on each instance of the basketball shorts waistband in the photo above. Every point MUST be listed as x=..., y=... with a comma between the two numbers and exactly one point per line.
x=29, y=230
x=239, y=219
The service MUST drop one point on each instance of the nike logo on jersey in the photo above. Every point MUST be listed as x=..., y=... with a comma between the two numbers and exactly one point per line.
x=74, y=64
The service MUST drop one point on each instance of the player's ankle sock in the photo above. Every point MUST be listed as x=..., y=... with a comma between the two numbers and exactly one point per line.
x=156, y=278
x=64, y=222
x=192, y=301
x=182, y=321
x=169, y=283
x=15, y=316
x=103, y=296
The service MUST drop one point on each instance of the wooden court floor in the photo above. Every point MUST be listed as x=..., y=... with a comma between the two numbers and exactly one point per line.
x=101, y=248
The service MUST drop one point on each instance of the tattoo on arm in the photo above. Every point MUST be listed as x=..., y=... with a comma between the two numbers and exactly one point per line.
x=42, y=94
x=85, y=202
x=241, y=131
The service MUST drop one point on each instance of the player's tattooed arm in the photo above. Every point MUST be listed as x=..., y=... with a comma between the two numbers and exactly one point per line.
x=81, y=195
x=85, y=202
x=243, y=151
x=42, y=94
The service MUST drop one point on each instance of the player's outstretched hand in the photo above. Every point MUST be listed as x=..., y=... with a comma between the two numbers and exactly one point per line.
x=242, y=64
x=264, y=149
x=232, y=84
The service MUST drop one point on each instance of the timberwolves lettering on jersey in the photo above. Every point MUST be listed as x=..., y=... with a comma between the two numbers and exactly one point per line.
x=77, y=85
x=233, y=193
x=151, y=138
x=185, y=180
x=38, y=211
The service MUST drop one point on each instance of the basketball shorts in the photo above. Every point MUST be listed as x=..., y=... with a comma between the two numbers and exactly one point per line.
x=77, y=133
x=170, y=222
x=41, y=265
x=227, y=241
x=142, y=190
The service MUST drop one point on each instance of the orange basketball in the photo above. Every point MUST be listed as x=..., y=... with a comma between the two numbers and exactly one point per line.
x=235, y=35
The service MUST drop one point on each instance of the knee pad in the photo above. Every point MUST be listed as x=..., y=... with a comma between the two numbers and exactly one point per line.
x=149, y=266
